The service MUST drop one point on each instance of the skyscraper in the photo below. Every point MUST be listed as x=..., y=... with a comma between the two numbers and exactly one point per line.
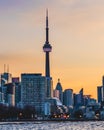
x=100, y=91
x=103, y=81
x=17, y=84
x=81, y=94
x=47, y=48
x=59, y=87
x=33, y=91
x=68, y=97
x=79, y=98
x=6, y=78
x=99, y=94
x=9, y=94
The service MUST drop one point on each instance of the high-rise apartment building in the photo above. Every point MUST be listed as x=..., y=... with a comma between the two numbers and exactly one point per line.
x=100, y=94
x=9, y=94
x=34, y=91
x=17, y=84
x=1, y=96
x=68, y=97
x=6, y=78
x=103, y=86
x=100, y=91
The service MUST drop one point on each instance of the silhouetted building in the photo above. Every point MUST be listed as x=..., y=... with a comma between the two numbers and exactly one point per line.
x=103, y=86
x=17, y=85
x=81, y=95
x=100, y=94
x=100, y=91
x=77, y=100
x=1, y=96
x=68, y=97
x=9, y=94
x=15, y=80
x=6, y=78
x=5, y=95
x=59, y=87
x=103, y=81
x=86, y=99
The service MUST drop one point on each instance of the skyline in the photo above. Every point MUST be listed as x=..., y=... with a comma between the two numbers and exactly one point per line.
x=76, y=34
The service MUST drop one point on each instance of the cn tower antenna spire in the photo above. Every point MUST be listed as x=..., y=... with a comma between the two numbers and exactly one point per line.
x=47, y=29
x=46, y=12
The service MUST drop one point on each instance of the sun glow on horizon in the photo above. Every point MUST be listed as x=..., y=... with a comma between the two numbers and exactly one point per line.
x=76, y=33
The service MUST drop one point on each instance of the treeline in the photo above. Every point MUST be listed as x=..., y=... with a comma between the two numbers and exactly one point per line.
x=14, y=113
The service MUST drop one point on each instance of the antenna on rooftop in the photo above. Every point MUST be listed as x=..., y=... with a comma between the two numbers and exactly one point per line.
x=4, y=68
x=8, y=68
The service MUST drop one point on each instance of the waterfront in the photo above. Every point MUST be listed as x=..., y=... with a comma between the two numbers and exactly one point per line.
x=88, y=125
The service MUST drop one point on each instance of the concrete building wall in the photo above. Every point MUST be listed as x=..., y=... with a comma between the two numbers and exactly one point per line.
x=56, y=93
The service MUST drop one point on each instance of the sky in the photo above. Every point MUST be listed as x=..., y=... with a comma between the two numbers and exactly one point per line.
x=76, y=33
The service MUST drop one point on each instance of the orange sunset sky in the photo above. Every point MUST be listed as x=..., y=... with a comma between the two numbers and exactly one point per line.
x=76, y=33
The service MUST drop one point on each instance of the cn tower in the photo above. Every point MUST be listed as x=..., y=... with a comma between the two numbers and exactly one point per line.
x=47, y=49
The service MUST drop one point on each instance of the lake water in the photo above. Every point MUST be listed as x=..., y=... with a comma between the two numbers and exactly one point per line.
x=96, y=125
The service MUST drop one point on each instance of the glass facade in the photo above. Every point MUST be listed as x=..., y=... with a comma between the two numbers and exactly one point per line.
x=34, y=91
